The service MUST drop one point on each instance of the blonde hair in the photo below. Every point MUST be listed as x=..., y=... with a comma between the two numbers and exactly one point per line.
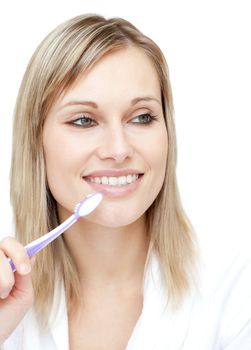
x=72, y=48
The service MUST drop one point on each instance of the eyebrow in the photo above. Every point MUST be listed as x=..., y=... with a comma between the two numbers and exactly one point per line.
x=94, y=105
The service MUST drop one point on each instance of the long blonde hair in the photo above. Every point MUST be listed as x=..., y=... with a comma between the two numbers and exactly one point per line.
x=72, y=48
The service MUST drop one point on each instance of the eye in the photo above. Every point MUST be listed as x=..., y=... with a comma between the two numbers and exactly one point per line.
x=84, y=122
x=145, y=118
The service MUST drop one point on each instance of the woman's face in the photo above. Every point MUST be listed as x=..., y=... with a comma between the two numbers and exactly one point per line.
x=107, y=133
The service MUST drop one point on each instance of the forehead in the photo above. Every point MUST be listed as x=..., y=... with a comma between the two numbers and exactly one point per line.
x=119, y=75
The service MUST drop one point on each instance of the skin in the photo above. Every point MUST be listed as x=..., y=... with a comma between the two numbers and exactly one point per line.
x=110, y=245
x=16, y=291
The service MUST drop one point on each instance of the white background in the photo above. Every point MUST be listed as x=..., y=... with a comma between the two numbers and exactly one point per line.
x=207, y=46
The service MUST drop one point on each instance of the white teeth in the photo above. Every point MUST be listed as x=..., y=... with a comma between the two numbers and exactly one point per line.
x=114, y=181
x=129, y=179
x=122, y=180
x=105, y=180
x=97, y=180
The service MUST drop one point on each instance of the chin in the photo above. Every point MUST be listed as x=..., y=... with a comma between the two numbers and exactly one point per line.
x=115, y=219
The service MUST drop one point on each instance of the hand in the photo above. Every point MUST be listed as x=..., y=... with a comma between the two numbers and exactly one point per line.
x=16, y=290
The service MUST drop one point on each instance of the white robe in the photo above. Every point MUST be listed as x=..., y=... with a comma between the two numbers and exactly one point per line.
x=216, y=317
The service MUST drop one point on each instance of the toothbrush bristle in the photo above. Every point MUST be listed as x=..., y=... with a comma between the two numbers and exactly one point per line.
x=76, y=207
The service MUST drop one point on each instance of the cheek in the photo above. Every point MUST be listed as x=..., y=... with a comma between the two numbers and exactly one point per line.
x=63, y=158
x=63, y=150
x=156, y=153
x=154, y=150
x=58, y=154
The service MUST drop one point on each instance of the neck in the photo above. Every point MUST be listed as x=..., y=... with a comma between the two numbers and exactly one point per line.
x=108, y=257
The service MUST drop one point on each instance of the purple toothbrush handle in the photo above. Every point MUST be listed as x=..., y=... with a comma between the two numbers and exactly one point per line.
x=83, y=208
x=30, y=251
x=35, y=246
x=13, y=267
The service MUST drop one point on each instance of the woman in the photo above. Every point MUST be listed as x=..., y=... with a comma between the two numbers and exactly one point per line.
x=95, y=113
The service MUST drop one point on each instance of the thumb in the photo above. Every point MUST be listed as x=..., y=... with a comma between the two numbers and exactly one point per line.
x=23, y=289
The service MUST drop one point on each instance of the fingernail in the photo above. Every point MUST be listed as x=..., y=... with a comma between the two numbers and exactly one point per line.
x=4, y=295
x=25, y=269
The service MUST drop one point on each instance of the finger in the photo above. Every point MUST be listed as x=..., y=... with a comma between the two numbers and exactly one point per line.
x=16, y=251
x=7, y=279
x=23, y=288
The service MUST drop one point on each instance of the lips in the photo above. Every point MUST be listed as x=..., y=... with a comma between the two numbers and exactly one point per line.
x=100, y=181
x=114, y=173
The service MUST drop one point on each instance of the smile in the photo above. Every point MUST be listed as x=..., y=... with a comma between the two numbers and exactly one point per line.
x=112, y=186
x=114, y=181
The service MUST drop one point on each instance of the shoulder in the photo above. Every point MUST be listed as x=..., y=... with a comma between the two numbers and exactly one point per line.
x=226, y=293
x=219, y=310
x=225, y=267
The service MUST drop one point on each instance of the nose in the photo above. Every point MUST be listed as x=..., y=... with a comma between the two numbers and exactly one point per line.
x=115, y=144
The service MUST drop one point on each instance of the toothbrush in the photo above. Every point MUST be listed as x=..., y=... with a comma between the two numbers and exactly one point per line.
x=83, y=208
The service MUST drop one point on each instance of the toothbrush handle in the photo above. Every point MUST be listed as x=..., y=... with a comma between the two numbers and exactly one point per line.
x=35, y=246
